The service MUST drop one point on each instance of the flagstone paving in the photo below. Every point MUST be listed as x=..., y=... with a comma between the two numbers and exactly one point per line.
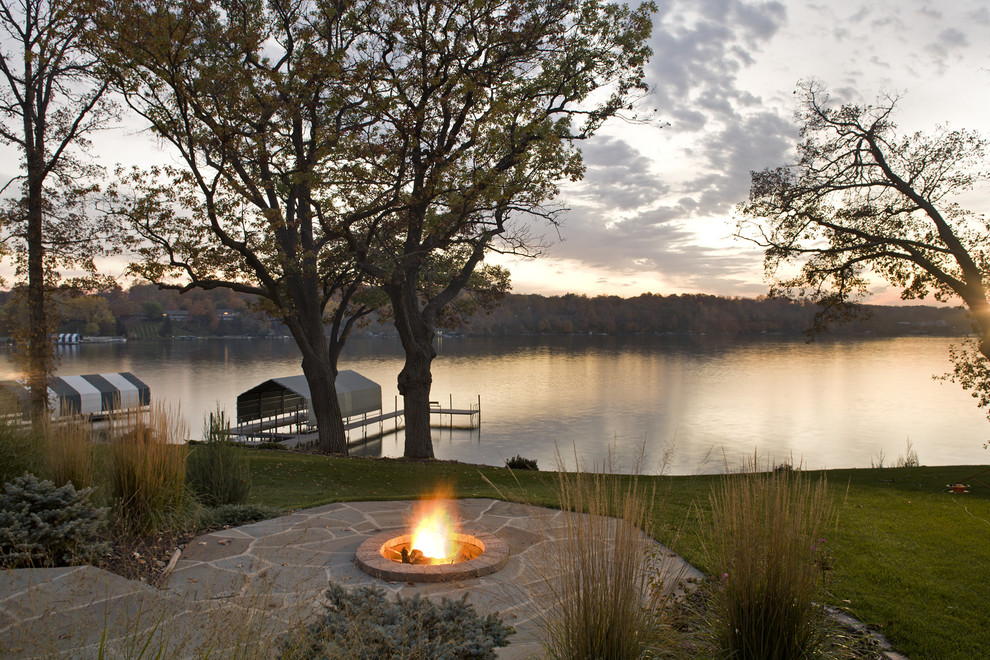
x=238, y=587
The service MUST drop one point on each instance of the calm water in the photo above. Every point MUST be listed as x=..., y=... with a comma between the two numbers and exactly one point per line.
x=706, y=403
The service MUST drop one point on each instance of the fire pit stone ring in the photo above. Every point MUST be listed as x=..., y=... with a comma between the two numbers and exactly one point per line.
x=371, y=559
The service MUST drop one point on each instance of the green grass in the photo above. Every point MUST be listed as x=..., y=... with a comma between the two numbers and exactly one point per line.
x=914, y=560
x=909, y=558
x=290, y=480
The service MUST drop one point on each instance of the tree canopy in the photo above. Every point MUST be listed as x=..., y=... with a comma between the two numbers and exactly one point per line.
x=332, y=146
x=263, y=102
x=864, y=202
x=475, y=113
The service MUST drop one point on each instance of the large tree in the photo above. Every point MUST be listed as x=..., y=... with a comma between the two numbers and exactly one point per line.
x=51, y=98
x=475, y=113
x=407, y=139
x=863, y=202
x=263, y=102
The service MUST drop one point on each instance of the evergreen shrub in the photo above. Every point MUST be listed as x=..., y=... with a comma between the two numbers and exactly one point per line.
x=364, y=624
x=42, y=524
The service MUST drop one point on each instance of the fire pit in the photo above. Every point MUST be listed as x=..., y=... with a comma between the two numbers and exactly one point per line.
x=432, y=551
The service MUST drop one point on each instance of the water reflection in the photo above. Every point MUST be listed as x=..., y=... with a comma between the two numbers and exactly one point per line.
x=827, y=404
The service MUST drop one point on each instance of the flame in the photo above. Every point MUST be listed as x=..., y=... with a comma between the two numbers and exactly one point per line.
x=433, y=533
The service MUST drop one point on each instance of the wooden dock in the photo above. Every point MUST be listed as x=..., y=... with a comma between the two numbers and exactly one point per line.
x=300, y=434
x=250, y=429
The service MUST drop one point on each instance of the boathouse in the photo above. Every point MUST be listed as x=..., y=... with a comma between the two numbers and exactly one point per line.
x=278, y=398
x=88, y=394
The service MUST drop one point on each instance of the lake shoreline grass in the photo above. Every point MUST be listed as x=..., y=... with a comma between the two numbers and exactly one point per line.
x=909, y=558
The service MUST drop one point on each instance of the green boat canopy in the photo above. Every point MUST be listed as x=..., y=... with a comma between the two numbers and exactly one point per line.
x=280, y=396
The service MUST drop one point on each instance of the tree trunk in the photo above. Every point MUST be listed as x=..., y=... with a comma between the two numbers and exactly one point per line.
x=321, y=376
x=414, y=382
x=39, y=356
x=980, y=311
x=416, y=378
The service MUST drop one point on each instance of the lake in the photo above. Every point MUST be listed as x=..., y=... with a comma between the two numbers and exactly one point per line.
x=705, y=403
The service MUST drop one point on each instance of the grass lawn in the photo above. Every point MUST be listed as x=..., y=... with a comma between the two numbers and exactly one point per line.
x=910, y=559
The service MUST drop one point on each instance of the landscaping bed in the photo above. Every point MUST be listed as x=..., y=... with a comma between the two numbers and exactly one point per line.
x=904, y=552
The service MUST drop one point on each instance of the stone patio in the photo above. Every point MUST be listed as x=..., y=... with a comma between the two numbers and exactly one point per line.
x=239, y=587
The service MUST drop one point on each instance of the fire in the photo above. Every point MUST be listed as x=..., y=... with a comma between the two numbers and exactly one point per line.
x=434, y=530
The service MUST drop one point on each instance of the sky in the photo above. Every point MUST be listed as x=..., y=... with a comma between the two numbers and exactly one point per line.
x=654, y=211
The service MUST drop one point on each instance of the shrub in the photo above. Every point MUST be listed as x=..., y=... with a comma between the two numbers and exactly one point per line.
x=20, y=451
x=365, y=624
x=69, y=453
x=910, y=458
x=765, y=536
x=237, y=514
x=147, y=470
x=42, y=524
x=517, y=462
x=218, y=470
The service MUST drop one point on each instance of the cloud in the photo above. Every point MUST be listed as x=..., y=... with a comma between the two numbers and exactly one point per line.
x=947, y=42
x=618, y=176
x=952, y=38
x=652, y=241
x=656, y=206
x=980, y=16
x=754, y=143
x=639, y=211
x=699, y=50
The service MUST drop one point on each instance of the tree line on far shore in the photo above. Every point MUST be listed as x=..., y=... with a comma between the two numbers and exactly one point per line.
x=699, y=313
x=143, y=311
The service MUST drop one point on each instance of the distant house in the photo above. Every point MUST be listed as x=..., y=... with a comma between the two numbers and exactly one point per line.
x=227, y=314
x=176, y=314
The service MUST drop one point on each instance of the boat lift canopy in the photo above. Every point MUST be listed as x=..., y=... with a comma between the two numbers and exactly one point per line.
x=87, y=394
x=280, y=396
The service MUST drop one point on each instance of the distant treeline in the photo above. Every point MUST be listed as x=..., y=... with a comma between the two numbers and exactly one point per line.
x=695, y=314
x=145, y=311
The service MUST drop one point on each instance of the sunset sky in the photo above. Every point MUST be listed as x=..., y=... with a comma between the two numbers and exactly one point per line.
x=654, y=212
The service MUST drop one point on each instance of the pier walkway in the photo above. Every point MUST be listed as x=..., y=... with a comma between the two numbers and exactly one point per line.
x=294, y=429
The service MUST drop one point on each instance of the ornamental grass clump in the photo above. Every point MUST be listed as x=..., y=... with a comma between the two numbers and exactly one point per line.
x=69, y=452
x=364, y=623
x=605, y=602
x=217, y=471
x=147, y=470
x=765, y=537
x=42, y=524
x=20, y=449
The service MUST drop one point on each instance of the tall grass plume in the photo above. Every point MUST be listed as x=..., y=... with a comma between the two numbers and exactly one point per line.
x=217, y=470
x=765, y=537
x=606, y=602
x=69, y=452
x=147, y=469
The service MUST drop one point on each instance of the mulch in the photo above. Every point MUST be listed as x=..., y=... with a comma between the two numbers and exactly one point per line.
x=146, y=558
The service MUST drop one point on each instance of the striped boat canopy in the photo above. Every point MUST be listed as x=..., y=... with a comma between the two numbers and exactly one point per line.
x=86, y=394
